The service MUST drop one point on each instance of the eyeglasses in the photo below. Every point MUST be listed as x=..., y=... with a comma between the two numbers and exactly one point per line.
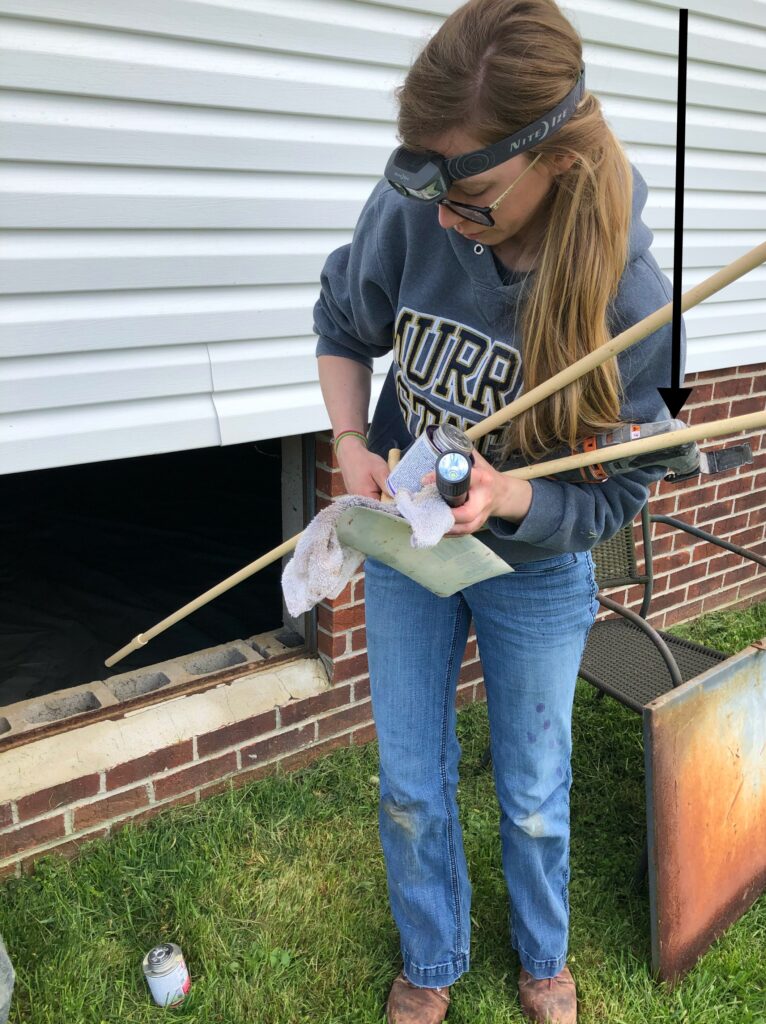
x=483, y=214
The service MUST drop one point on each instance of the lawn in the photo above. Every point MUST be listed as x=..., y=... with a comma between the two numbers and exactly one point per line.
x=277, y=894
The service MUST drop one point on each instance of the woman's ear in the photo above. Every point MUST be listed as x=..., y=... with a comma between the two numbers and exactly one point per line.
x=562, y=162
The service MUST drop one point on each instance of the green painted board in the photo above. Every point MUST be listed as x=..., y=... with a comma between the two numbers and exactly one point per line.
x=449, y=566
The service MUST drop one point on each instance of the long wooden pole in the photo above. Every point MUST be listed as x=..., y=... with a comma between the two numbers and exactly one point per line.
x=700, y=432
x=736, y=269
x=637, y=332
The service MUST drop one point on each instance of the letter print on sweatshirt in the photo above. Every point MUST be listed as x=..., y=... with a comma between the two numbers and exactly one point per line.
x=447, y=372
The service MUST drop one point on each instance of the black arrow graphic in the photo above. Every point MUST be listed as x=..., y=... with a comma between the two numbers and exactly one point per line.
x=675, y=396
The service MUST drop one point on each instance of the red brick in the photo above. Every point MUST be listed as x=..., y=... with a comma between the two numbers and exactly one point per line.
x=358, y=714
x=694, y=498
x=343, y=598
x=359, y=591
x=743, y=406
x=716, y=510
x=329, y=482
x=664, y=506
x=733, y=386
x=754, y=500
x=56, y=796
x=236, y=733
x=722, y=562
x=734, y=487
x=27, y=836
x=150, y=764
x=694, y=571
x=313, y=753
x=747, y=538
x=465, y=695
x=752, y=588
x=704, y=375
x=324, y=452
x=322, y=503
x=305, y=708
x=759, y=380
x=665, y=601
x=669, y=563
x=194, y=776
x=334, y=646
x=701, y=393
x=281, y=743
x=470, y=673
x=338, y=620
x=735, y=522
x=481, y=692
x=367, y=734
x=6, y=815
x=114, y=806
x=9, y=869
x=347, y=668
x=359, y=639
x=361, y=689
x=155, y=809
x=744, y=572
x=68, y=849
x=662, y=543
x=757, y=517
x=707, y=414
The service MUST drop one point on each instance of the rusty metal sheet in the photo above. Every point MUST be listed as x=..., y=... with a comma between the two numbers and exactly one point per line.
x=705, y=751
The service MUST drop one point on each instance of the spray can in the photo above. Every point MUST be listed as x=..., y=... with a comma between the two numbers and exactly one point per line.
x=166, y=974
x=420, y=458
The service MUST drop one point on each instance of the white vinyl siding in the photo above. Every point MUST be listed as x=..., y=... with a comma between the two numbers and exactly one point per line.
x=176, y=172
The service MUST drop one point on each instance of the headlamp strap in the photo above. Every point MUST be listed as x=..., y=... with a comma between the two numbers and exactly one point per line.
x=480, y=160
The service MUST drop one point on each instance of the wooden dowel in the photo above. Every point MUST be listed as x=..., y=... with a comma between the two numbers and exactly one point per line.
x=693, y=297
x=636, y=333
x=393, y=460
x=700, y=432
x=220, y=588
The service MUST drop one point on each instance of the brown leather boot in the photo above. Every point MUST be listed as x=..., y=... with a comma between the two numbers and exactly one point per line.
x=549, y=1000
x=409, y=1004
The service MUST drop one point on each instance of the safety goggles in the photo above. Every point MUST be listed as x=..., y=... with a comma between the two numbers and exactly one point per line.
x=429, y=176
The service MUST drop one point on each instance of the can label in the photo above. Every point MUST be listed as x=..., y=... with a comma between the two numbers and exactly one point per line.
x=166, y=974
x=421, y=457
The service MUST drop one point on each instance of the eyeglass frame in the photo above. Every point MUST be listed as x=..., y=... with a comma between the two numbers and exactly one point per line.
x=484, y=211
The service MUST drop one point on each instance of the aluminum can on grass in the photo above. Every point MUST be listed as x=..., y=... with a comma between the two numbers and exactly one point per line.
x=166, y=974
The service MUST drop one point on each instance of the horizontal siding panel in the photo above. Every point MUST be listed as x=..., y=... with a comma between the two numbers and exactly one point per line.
x=81, y=197
x=122, y=71
x=336, y=29
x=87, y=378
x=83, y=323
x=746, y=317
x=94, y=260
x=701, y=247
x=725, y=350
x=251, y=415
x=85, y=131
x=97, y=433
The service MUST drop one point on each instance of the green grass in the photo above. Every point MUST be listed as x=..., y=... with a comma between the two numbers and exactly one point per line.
x=277, y=894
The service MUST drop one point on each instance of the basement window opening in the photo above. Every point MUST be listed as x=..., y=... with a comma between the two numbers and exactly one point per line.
x=94, y=554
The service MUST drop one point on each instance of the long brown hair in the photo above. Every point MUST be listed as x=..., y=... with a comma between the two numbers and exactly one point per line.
x=494, y=67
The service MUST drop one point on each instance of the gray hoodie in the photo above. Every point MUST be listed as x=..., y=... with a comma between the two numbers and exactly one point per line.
x=438, y=300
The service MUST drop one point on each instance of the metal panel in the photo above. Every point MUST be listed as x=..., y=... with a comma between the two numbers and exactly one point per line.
x=705, y=745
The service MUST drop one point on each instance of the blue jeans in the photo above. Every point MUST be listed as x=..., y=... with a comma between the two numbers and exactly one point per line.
x=531, y=627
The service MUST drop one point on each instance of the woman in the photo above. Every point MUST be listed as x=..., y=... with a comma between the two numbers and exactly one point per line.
x=506, y=243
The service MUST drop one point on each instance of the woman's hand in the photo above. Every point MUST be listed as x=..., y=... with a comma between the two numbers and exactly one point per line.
x=363, y=472
x=491, y=494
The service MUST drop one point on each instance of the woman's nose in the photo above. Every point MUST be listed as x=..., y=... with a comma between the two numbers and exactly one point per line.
x=448, y=218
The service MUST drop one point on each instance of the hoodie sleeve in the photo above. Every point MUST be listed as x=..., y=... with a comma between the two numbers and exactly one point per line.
x=354, y=314
x=567, y=516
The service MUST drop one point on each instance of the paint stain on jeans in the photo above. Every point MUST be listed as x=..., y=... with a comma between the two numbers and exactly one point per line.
x=399, y=816
x=534, y=825
x=540, y=708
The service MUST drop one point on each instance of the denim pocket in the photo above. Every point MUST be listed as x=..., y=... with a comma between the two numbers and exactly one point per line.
x=545, y=564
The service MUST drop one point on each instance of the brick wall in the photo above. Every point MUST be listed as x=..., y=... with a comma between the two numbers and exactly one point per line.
x=301, y=725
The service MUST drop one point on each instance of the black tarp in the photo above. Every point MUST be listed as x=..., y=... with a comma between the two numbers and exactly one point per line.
x=91, y=555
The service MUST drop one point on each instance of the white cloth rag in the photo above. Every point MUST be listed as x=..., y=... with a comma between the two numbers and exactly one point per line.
x=322, y=566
